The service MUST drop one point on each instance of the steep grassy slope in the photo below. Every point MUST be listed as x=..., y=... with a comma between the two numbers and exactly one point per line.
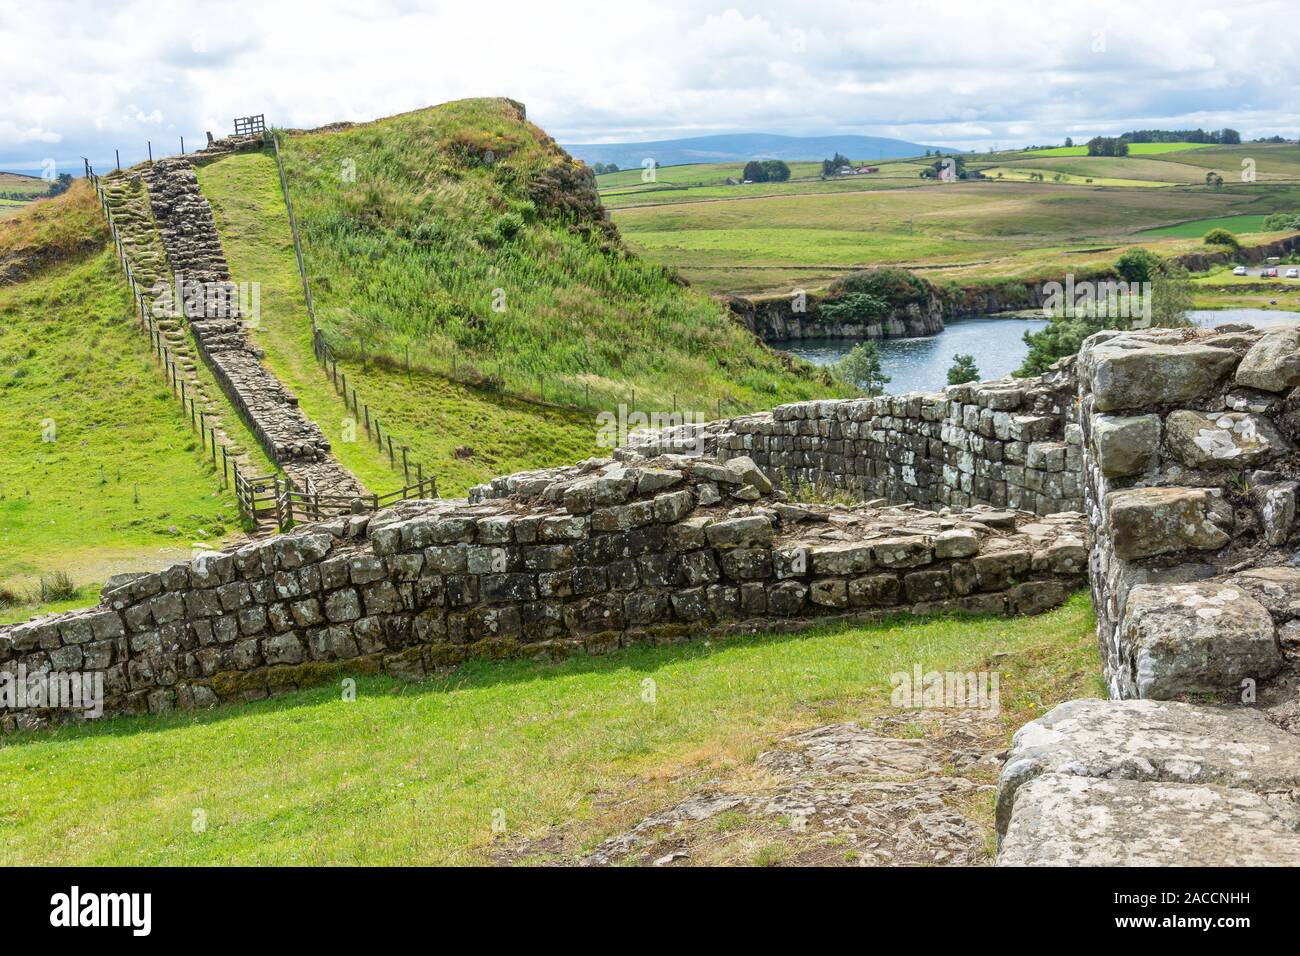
x=121, y=482
x=461, y=435
x=465, y=234
x=418, y=774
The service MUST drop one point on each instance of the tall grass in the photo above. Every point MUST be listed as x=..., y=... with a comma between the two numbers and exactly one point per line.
x=463, y=234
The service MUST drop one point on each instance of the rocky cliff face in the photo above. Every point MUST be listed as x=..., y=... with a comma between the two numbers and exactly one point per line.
x=776, y=319
x=779, y=319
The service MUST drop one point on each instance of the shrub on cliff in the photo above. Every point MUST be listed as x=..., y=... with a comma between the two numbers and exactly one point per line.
x=1138, y=265
x=894, y=287
x=1221, y=237
x=853, y=307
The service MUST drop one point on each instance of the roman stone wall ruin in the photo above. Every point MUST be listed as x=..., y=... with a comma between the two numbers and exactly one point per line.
x=539, y=565
x=1190, y=475
x=1183, y=443
x=189, y=236
x=1008, y=444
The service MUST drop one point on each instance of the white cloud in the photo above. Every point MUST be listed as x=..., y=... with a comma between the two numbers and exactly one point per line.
x=94, y=77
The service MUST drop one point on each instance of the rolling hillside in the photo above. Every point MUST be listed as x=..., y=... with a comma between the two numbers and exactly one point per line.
x=1034, y=214
x=101, y=472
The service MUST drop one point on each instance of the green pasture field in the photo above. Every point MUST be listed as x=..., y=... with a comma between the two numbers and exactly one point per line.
x=786, y=242
x=418, y=773
x=1134, y=149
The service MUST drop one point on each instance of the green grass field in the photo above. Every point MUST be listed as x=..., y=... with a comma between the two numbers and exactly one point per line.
x=492, y=263
x=122, y=484
x=1134, y=149
x=771, y=238
x=417, y=774
x=788, y=242
x=1199, y=227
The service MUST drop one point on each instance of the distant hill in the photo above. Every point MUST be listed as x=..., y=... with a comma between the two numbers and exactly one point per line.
x=20, y=183
x=741, y=147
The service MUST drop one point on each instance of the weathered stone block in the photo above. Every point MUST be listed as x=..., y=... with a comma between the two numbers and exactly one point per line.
x=902, y=552
x=1127, y=374
x=875, y=590
x=841, y=557
x=1148, y=521
x=956, y=543
x=1273, y=363
x=1126, y=446
x=1063, y=820
x=748, y=532
x=1195, y=638
x=1230, y=439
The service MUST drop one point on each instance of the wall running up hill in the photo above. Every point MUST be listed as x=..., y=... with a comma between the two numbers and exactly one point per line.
x=189, y=235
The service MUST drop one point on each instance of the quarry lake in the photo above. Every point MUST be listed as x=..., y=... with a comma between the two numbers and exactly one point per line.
x=997, y=342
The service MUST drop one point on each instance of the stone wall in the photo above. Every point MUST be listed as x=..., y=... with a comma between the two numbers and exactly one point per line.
x=1190, y=484
x=189, y=235
x=538, y=565
x=1190, y=473
x=1008, y=444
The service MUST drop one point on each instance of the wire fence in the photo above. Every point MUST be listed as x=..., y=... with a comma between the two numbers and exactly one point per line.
x=250, y=491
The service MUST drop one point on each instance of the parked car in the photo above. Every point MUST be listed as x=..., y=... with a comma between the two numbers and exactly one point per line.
x=1269, y=273
x=1239, y=271
x=1293, y=273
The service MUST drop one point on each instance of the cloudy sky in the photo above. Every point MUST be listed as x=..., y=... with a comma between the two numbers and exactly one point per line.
x=83, y=78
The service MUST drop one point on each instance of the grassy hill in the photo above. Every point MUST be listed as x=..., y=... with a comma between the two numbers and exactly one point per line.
x=100, y=472
x=464, y=234
x=460, y=434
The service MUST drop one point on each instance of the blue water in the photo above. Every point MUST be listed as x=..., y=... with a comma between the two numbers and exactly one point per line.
x=921, y=364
